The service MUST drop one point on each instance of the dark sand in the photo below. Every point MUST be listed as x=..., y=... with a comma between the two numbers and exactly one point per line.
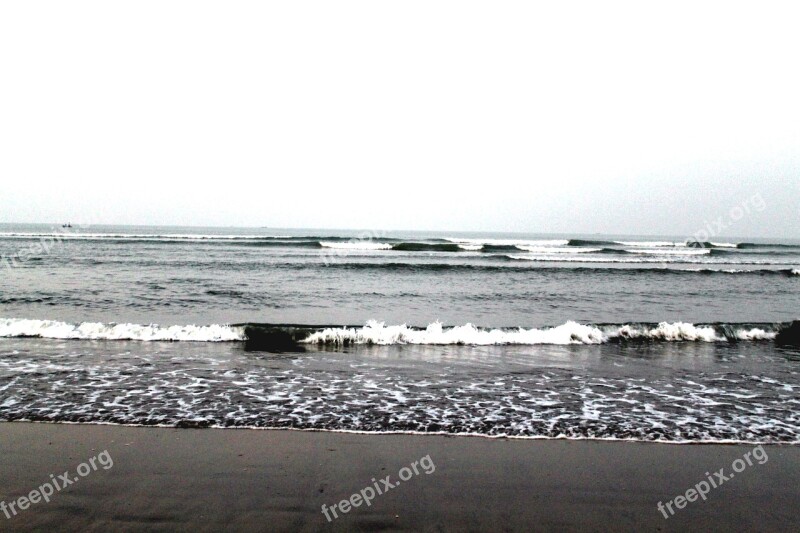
x=253, y=480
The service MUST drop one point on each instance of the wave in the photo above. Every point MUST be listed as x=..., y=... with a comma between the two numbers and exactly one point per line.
x=606, y=249
x=672, y=259
x=429, y=247
x=283, y=337
x=77, y=235
x=378, y=333
x=375, y=243
x=612, y=251
x=50, y=329
x=652, y=244
x=356, y=245
x=752, y=245
x=276, y=241
x=502, y=248
x=632, y=244
x=707, y=244
x=499, y=248
x=582, y=242
x=281, y=244
x=550, y=250
x=780, y=252
x=509, y=242
x=543, y=267
x=550, y=259
x=668, y=251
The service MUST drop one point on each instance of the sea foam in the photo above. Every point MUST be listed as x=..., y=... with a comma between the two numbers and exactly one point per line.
x=50, y=329
x=569, y=333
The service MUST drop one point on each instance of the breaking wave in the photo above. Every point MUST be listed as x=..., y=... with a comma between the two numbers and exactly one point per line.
x=51, y=329
x=356, y=245
x=371, y=242
x=283, y=336
x=569, y=333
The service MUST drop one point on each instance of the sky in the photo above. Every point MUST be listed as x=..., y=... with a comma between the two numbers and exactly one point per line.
x=582, y=117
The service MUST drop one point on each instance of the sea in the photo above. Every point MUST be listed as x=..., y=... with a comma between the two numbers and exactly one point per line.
x=613, y=337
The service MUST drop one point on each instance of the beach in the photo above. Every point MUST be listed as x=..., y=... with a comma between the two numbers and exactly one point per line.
x=370, y=266
x=185, y=379
x=268, y=480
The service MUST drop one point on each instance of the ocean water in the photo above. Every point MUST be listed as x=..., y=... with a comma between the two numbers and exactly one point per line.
x=542, y=336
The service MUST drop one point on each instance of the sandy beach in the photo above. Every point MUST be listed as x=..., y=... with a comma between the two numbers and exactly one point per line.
x=262, y=480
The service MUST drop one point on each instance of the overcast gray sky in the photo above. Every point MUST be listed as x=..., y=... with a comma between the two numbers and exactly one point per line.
x=513, y=116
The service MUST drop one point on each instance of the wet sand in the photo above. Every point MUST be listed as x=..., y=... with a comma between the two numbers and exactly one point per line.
x=263, y=480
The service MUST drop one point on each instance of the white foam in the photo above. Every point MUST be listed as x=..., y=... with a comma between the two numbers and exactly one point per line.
x=569, y=333
x=652, y=244
x=375, y=332
x=640, y=258
x=357, y=245
x=50, y=329
x=755, y=334
x=510, y=242
x=676, y=251
x=568, y=259
x=678, y=331
x=378, y=333
x=672, y=244
x=683, y=331
x=552, y=250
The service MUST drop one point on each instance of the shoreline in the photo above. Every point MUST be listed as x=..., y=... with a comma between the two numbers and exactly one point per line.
x=418, y=434
x=209, y=479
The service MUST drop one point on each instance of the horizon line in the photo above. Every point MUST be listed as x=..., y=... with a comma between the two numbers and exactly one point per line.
x=506, y=232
